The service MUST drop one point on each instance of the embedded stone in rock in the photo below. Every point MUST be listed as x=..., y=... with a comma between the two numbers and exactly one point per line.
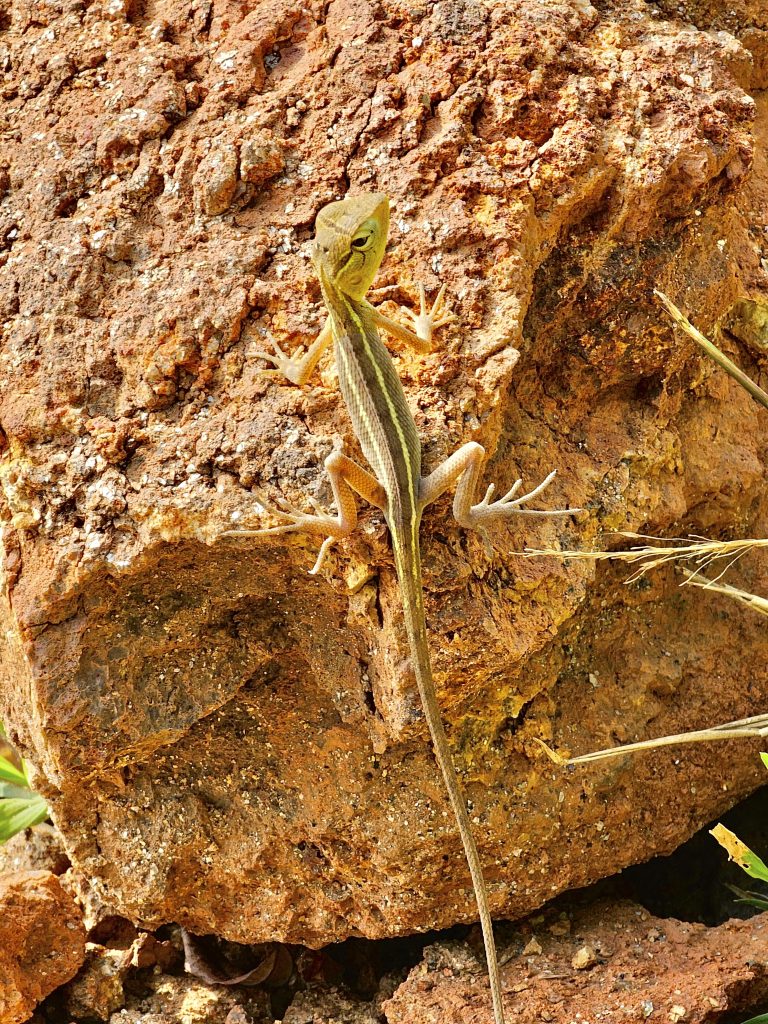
x=42, y=941
x=35, y=849
x=173, y=999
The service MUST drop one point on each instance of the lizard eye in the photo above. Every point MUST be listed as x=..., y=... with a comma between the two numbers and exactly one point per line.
x=362, y=242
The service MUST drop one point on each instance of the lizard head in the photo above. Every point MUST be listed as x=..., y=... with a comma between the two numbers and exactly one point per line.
x=350, y=237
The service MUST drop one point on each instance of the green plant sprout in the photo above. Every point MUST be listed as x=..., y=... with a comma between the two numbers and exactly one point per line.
x=748, y=861
x=20, y=806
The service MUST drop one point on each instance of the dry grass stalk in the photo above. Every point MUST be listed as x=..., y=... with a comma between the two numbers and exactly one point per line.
x=756, y=726
x=753, y=601
x=702, y=551
x=712, y=351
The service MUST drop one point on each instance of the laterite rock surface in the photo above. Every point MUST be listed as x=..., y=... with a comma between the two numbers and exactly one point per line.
x=226, y=742
x=606, y=961
x=42, y=941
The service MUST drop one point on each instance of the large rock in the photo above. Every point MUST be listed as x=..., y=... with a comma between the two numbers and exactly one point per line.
x=224, y=740
x=42, y=941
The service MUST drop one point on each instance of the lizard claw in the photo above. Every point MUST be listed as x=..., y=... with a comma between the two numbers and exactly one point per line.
x=283, y=365
x=282, y=511
x=426, y=321
x=325, y=547
x=509, y=505
x=296, y=522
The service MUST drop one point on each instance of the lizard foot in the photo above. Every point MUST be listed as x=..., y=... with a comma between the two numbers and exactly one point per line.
x=297, y=522
x=508, y=505
x=283, y=365
x=426, y=321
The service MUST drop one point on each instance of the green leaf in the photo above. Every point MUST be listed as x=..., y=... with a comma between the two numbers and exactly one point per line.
x=10, y=773
x=764, y=759
x=18, y=814
x=754, y=899
x=762, y=1019
x=8, y=790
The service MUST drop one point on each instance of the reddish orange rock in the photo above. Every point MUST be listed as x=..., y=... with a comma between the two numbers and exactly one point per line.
x=641, y=968
x=42, y=941
x=225, y=741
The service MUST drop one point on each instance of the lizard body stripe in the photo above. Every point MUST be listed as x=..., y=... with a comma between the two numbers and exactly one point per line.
x=380, y=455
x=362, y=411
x=393, y=410
x=403, y=521
x=373, y=393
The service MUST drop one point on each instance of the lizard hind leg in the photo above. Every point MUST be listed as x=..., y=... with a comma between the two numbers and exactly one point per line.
x=464, y=467
x=347, y=480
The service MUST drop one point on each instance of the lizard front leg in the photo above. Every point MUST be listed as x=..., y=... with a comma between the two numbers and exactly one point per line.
x=465, y=466
x=299, y=367
x=347, y=480
x=426, y=321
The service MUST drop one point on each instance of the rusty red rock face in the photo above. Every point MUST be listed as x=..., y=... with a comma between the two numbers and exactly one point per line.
x=227, y=742
x=636, y=967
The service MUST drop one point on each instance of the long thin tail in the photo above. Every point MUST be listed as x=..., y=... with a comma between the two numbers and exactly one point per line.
x=408, y=565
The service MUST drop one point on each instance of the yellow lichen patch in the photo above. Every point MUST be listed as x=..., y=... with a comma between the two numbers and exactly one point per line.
x=486, y=211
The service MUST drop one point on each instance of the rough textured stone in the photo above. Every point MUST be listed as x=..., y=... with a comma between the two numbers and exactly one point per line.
x=225, y=741
x=646, y=968
x=582, y=961
x=98, y=991
x=35, y=849
x=318, y=1007
x=186, y=1001
x=42, y=941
